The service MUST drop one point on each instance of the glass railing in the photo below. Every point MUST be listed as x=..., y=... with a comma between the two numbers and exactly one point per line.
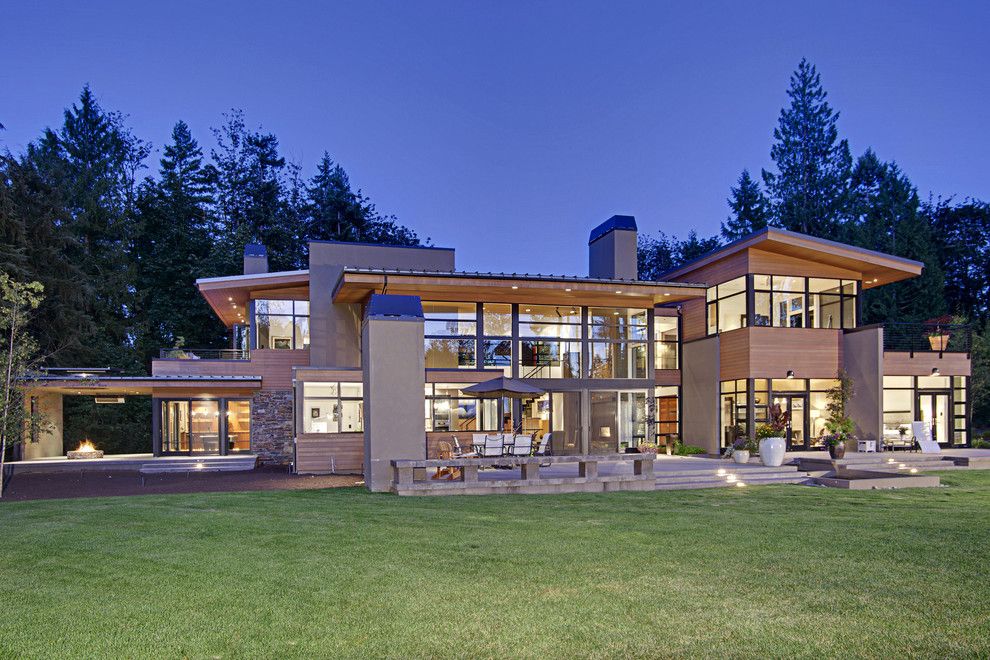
x=204, y=354
x=927, y=338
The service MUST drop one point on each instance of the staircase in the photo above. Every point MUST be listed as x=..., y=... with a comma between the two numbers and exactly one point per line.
x=879, y=462
x=205, y=463
x=727, y=475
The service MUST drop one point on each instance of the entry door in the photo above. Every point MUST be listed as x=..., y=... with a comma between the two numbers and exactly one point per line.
x=175, y=427
x=797, y=432
x=933, y=408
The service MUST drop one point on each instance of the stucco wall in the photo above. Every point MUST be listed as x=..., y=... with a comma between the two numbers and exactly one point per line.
x=49, y=435
x=335, y=330
x=700, y=393
x=613, y=256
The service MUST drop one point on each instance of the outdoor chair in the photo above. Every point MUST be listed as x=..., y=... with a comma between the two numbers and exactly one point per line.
x=493, y=446
x=446, y=453
x=522, y=445
x=923, y=437
x=545, y=448
x=459, y=451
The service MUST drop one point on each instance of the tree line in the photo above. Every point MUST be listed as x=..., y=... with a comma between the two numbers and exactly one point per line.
x=118, y=248
x=816, y=187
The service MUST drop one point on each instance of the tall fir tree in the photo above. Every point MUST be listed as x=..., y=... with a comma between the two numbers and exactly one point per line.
x=749, y=208
x=962, y=236
x=174, y=216
x=884, y=213
x=656, y=255
x=809, y=190
x=693, y=246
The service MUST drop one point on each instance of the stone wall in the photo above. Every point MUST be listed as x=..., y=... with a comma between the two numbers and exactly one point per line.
x=271, y=426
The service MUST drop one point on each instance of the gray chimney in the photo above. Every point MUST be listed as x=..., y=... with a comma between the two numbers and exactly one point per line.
x=612, y=249
x=255, y=259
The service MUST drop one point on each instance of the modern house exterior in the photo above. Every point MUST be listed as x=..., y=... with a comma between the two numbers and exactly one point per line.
x=362, y=358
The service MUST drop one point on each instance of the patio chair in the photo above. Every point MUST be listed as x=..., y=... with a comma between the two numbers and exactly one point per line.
x=460, y=452
x=522, y=445
x=545, y=448
x=923, y=437
x=493, y=446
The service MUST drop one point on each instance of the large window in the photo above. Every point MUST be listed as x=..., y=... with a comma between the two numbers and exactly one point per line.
x=450, y=331
x=782, y=301
x=665, y=346
x=550, y=341
x=618, y=342
x=618, y=420
x=941, y=402
x=496, y=346
x=281, y=324
x=333, y=408
x=449, y=409
x=204, y=426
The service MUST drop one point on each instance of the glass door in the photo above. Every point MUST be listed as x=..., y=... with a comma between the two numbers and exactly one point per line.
x=175, y=427
x=933, y=409
x=204, y=427
x=796, y=432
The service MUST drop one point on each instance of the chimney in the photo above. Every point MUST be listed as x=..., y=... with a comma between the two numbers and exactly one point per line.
x=612, y=249
x=255, y=259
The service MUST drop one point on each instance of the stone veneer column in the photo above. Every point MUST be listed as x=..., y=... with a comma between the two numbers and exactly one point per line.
x=271, y=426
x=393, y=363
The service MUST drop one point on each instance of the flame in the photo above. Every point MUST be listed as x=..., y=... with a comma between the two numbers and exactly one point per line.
x=86, y=445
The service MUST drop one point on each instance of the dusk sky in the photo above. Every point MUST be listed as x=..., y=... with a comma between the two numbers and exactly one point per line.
x=507, y=130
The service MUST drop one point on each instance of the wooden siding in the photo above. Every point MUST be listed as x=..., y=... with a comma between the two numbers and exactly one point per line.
x=770, y=352
x=902, y=364
x=274, y=367
x=769, y=263
x=667, y=376
x=694, y=323
x=313, y=453
x=321, y=375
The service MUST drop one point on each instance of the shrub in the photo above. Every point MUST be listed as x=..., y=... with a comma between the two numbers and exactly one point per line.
x=688, y=450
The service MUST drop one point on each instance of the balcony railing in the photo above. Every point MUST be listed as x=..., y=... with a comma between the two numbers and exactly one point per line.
x=204, y=354
x=927, y=338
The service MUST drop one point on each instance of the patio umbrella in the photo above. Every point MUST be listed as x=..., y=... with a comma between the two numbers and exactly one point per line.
x=505, y=387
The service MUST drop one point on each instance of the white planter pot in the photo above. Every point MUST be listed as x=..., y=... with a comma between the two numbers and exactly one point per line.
x=772, y=451
x=741, y=456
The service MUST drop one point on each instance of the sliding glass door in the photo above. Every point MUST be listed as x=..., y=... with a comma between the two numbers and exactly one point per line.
x=204, y=427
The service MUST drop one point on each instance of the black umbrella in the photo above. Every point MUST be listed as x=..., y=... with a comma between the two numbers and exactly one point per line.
x=505, y=387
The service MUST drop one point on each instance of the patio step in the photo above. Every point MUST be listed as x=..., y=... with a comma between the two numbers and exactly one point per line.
x=749, y=474
x=721, y=482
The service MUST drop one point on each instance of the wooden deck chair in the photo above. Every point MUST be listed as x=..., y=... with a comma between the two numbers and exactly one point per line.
x=445, y=452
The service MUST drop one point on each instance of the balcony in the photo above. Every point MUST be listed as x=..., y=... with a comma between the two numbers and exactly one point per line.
x=928, y=337
x=204, y=354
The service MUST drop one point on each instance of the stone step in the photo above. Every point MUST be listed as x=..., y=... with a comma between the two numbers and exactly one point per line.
x=723, y=483
x=730, y=468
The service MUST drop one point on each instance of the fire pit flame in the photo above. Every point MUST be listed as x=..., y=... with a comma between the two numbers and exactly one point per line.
x=86, y=450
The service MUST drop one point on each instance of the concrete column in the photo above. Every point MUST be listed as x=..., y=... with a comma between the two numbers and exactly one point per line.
x=394, y=371
x=700, y=393
x=862, y=359
x=48, y=438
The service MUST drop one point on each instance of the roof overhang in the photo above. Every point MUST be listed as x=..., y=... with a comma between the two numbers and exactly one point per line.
x=356, y=285
x=136, y=385
x=229, y=296
x=877, y=268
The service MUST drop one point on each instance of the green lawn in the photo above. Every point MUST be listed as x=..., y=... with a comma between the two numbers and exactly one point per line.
x=766, y=571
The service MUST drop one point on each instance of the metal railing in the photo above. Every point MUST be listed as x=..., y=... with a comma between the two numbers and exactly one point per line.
x=927, y=338
x=204, y=354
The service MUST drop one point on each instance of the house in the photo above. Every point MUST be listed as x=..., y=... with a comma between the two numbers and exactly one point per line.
x=361, y=358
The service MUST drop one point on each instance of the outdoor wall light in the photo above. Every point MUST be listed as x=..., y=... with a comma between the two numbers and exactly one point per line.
x=514, y=286
x=790, y=373
x=935, y=371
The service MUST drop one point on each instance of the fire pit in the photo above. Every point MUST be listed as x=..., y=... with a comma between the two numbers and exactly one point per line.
x=85, y=450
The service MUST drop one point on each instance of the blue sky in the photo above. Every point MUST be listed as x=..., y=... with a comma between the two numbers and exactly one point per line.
x=509, y=129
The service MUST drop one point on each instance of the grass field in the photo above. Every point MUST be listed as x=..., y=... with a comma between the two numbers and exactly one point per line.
x=767, y=571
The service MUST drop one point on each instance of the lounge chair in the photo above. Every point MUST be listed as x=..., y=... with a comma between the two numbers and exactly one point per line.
x=446, y=452
x=460, y=452
x=923, y=436
x=545, y=448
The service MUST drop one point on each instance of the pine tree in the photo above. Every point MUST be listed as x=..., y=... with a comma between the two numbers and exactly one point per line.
x=656, y=255
x=749, y=209
x=174, y=218
x=962, y=236
x=885, y=215
x=809, y=189
x=693, y=247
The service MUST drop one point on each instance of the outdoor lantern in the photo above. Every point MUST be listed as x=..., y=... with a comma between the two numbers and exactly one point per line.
x=935, y=371
x=790, y=373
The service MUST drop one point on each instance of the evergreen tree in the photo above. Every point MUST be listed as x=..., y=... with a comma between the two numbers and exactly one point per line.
x=656, y=255
x=808, y=192
x=885, y=215
x=962, y=236
x=749, y=209
x=694, y=247
x=174, y=217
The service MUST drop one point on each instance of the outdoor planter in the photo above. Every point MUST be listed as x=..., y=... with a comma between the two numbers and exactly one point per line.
x=741, y=456
x=772, y=451
x=939, y=342
x=837, y=451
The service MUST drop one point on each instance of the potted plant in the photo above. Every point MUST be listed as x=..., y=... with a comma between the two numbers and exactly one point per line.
x=840, y=428
x=771, y=436
x=648, y=448
x=938, y=338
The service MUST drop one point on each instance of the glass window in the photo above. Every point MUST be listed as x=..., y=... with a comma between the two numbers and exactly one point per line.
x=549, y=359
x=618, y=360
x=333, y=408
x=238, y=425
x=450, y=319
x=732, y=312
x=617, y=323
x=665, y=342
x=281, y=324
x=497, y=319
x=497, y=354
x=443, y=353
x=447, y=409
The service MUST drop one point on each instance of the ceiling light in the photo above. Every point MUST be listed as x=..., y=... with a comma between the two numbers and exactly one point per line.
x=618, y=292
x=527, y=309
x=666, y=294
x=514, y=286
x=567, y=289
x=230, y=299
